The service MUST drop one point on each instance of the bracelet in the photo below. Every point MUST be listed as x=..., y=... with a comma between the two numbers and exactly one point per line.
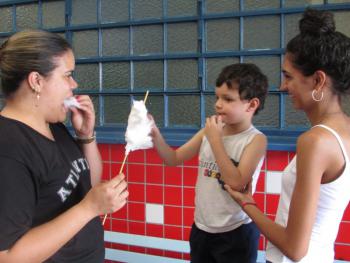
x=248, y=203
x=86, y=140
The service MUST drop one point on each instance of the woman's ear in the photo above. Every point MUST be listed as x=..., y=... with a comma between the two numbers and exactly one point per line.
x=35, y=81
x=253, y=105
x=320, y=79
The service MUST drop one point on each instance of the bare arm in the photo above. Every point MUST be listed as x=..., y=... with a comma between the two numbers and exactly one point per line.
x=236, y=177
x=83, y=120
x=175, y=157
x=293, y=240
x=93, y=156
x=41, y=242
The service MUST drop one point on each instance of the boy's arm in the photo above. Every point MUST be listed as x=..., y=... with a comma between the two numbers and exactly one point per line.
x=175, y=157
x=238, y=177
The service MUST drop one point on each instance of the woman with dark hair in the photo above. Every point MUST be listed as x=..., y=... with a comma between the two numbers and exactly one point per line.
x=50, y=191
x=315, y=184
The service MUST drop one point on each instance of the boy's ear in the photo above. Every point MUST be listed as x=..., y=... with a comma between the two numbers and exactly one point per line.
x=253, y=105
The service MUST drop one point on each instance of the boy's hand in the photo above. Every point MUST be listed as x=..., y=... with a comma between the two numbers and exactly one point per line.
x=213, y=128
x=154, y=131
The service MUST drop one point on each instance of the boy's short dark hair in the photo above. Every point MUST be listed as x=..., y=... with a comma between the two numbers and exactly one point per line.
x=252, y=83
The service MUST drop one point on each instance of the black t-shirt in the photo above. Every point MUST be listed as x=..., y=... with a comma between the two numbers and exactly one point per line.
x=39, y=180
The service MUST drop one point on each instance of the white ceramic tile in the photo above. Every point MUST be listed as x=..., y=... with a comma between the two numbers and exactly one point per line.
x=273, y=182
x=155, y=213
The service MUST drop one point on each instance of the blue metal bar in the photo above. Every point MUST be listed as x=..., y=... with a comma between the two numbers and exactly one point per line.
x=201, y=62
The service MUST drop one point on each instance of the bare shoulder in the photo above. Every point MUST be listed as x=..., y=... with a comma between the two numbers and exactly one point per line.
x=318, y=141
x=258, y=145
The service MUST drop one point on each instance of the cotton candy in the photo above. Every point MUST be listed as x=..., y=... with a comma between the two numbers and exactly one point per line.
x=71, y=102
x=139, y=127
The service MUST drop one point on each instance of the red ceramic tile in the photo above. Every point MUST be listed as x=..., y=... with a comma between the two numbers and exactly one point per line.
x=173, y=195
x=343, y=234
x=136, y=173
x=186, y=233
x=173, y=215
x=277, y=160
x=262, y=242
x=137, y=156
x=172, y=254
x=154, y=174
x=155, y=252
x=187, y=256
x=104, y=151
x=117, y=152
x=106, y=171
x=346, y=216
x=192, y=162
x=107, y=225
x=137, y=249
x=260, y=201
x=263, y=167
x=120, y=247
x=115, y=169
x=189, y=193
x=136, y=211
x=152, y=156
x=136, y=192
x=173, y=175
x=121, y=213
x=271, y=203
x=173, y=232
x=119, y=226
x=190, y=176
x=342, y=252
x=137, y=228
x=260, y=185
x=188, y=216
x=291, y=155
x=154, y=194
x=154, y=230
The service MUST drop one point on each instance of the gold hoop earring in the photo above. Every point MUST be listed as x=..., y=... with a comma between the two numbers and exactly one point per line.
x=313, y=95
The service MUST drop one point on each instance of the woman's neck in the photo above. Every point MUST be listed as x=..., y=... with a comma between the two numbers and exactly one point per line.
x=324, y=114
x=30, y=117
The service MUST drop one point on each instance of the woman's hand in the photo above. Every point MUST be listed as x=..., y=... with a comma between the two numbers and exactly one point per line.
x=243, y=196
x=107, y=197
x=83, y=119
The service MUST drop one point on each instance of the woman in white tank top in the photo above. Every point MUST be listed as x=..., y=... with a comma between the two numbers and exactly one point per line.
x=315, y=184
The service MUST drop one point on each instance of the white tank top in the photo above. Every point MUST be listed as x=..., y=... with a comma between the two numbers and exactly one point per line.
x=333, y=199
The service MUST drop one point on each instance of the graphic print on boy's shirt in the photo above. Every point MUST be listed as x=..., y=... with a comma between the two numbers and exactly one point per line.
x=211, y=169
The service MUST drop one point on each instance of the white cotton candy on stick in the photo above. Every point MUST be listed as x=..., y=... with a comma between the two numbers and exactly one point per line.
x=137, y=134
x=71, y=102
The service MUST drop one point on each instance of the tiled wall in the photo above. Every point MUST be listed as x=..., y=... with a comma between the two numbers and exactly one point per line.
x=161, y=201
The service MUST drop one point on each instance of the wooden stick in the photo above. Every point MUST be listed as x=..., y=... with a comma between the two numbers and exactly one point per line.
x=120, y=170
x=145, y=99
x=126, y=155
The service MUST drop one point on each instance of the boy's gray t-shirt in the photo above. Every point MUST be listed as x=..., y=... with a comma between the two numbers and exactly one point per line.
x=215, y=210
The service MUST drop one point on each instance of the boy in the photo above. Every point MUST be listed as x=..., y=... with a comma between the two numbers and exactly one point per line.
x=231, y=151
